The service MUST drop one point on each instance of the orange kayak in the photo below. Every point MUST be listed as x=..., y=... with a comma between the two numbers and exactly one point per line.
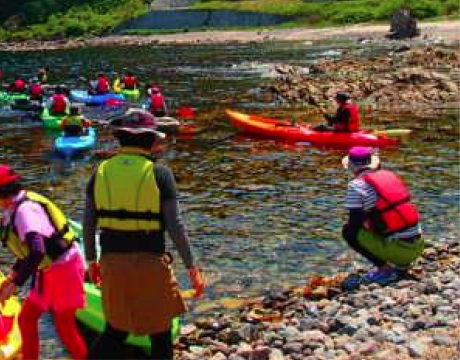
x=258, y=125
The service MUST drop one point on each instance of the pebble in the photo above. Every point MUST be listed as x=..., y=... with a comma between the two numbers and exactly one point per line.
x=416, y=349
x=276, y=354
x=441, y=340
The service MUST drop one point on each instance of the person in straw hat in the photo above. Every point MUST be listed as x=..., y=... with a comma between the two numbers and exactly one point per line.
x=132, y=200
x=383, y=224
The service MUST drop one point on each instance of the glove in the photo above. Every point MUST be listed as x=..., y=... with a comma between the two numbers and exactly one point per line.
x=94, y=270
x=7, y=289
x=196, y=280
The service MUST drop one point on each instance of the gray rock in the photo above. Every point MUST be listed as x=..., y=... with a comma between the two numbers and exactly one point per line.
x=235, y=357
x=293, y=348
x=416, y=349
x=276, y=354
x=441, y=340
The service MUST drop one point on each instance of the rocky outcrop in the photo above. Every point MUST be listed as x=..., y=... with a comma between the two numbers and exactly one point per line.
x=421, y=79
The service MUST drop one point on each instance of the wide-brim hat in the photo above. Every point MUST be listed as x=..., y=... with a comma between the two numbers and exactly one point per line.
x=137, y=121
x=360, y=157
x=8, y=175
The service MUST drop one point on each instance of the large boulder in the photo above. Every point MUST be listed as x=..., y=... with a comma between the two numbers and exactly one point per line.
x=403, y=25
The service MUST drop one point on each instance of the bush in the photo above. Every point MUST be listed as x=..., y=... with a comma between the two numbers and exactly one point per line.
x=74, y=28
x=351, y=16
x=450, y=7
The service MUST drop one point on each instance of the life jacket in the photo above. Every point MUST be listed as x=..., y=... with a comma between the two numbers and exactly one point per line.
x=156, y=102
x=126, y=194
x=55, y=245
x=74, y=120
x=36, y=91
x=59, y=104
x=353, y=122
x=393, y=210
x=130, y=82
x=103, y=85
x=19, y=85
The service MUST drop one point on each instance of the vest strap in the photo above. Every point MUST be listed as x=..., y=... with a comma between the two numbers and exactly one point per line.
x=127, y=215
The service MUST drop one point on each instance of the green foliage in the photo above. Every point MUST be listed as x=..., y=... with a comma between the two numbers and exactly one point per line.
x=450, y=7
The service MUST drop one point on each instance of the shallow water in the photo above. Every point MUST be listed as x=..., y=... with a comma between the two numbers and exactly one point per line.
x=261, y=213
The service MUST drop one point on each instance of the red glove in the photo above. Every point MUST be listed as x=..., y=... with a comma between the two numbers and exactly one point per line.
x=94, y=270
x=197, y=281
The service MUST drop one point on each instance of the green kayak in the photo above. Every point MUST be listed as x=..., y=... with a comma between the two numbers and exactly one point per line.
x=92, y=315
x=7, y=96
x=51, y=121
x=133, y=94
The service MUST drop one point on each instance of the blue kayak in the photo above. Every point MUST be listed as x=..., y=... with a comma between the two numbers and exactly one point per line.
x=69, y=146
x=82, y=96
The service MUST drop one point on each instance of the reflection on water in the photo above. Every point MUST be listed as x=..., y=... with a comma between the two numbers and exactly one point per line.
x=260, y=213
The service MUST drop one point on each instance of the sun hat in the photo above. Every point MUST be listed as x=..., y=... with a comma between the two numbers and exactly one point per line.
x=137, y=121
x=361, y=156
x=7, y=175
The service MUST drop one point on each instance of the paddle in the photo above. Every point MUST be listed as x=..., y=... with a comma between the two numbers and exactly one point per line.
x=392, y=132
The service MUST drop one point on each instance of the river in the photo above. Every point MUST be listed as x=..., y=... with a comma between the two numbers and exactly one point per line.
x=261, y=214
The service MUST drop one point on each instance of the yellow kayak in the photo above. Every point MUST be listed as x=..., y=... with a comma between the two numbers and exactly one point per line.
x=10, y=336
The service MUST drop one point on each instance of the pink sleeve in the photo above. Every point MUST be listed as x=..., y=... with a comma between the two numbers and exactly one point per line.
x=31, y=217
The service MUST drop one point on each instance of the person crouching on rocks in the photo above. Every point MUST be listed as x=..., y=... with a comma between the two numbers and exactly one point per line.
x=132, y=200
x=383, y=224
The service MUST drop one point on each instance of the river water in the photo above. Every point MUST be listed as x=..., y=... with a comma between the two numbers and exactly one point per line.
x=261, y=214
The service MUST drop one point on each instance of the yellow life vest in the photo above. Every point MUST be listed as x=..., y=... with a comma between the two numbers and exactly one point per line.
x=74, y=120
x=126, y=194
x=63, y=233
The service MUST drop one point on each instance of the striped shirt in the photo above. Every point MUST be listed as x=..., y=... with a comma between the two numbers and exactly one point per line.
x=361, y=195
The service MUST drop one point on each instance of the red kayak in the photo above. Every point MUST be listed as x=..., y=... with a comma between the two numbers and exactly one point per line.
x=258, y=125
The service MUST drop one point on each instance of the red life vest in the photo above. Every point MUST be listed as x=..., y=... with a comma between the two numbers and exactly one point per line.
x=353, y=122
x=19, y=85
x=157, y=102
x=130, y=82
x=103, y=85
x=393, y=210
x=36, y=91
x=59, y=103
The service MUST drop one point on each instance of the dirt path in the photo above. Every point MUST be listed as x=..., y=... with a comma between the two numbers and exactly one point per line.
x=447, y=31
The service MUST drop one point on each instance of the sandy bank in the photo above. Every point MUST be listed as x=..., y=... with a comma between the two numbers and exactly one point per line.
x=447, y=31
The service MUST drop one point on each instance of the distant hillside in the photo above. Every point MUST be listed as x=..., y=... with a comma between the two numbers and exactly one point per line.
x=58, y=19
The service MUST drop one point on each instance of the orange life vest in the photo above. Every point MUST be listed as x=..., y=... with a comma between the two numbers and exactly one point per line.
x=59, y=103
x=130, y=82
x=157, y=102
x=393, y=211
x=353, y=122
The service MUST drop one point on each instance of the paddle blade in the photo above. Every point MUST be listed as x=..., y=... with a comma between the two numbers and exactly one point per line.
x=393, y=132
x=186, y=112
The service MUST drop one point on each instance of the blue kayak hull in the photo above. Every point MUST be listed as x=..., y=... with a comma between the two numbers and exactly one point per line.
x=82, y=96
x=70, y=146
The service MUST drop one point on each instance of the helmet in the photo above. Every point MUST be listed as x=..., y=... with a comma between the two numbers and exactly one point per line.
x=7, y=175
x=341, y=96
x=136, y=121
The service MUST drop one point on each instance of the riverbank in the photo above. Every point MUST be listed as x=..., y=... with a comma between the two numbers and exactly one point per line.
x=415, y=318
x=445, y=31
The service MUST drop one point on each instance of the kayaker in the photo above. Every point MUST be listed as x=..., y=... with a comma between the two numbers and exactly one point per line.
x=346, y=118
x=383, y=225
x=130, y=82
x=157, y=103
x=36, y=91
x=58, y=104
x=74, y=123
x=18, y=86
x=37, y=233
x=103, y=84
x=42, y=75
x=92, y=85
x=133, y=200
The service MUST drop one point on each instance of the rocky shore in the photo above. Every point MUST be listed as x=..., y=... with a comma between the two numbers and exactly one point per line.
x=414, y=318
x=446, y=31
x=413, y=79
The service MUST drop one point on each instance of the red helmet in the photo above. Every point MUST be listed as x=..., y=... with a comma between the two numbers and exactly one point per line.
x=7, y=175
